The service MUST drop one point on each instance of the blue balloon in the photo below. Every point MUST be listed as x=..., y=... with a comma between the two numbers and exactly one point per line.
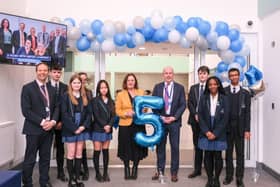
x=120, y=39
x=236, y=46
x=83, y=43
x=96, y=26
x=130, y=44
x=204, y=28
x=233, y=34
x=182, y=27
x=222, y=66
x=131, y=30
x=240, y=60
x=177, y=19
x=242, y=76
x=147, y=21
x=161, y=35
x=100, y=38
x=253, y=75
x=222, y=28
x=148, y=32
x=70, y=20
x=141, y=118
x=193, y=22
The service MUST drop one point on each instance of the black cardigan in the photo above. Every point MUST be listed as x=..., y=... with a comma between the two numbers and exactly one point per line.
x=68, y=119
x=103, y=114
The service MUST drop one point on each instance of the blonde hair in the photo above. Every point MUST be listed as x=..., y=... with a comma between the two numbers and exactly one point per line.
x=82, y=91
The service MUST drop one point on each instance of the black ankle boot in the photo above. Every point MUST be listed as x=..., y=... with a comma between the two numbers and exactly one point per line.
x=126, y=173
x=216, y=182
x=134, y=172
x=70, y=168
x=85, y=174
x=99, y=177
x=106, y=177
x=78, y=162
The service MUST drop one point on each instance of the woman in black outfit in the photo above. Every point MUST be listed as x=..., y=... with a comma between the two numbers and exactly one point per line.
x=76, y=120
x=103, y=113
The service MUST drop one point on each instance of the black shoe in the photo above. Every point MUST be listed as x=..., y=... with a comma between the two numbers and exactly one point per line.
x=127, y=173
x=209, y=183
x=61, y=176
x=85, y=176
x=79, y=184
x=106, y=178
x=227, y=180
x=134, y=173
x=72, y=183
x=239, y=183
x=99, y=178
x=194, y=174
x=216, y=183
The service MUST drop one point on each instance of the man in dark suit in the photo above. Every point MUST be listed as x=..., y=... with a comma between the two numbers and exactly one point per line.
x=195, y=93
x=175, y=105
x=238, y=127
x=39, y=107
x=44, y=37
x=19, y=37
x=60, y=88
x=57, y=48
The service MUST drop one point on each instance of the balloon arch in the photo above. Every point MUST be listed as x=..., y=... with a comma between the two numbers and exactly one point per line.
x=109, y=36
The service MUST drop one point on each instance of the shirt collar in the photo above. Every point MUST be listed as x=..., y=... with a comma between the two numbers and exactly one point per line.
x=170, y=84
x=40, y=83
x=237, y=88
x=53, y=82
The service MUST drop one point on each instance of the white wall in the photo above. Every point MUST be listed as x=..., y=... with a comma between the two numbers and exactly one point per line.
x=271, y=66
x=233, y=12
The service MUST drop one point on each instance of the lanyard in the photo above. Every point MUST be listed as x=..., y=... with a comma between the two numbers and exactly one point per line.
x=46, y=95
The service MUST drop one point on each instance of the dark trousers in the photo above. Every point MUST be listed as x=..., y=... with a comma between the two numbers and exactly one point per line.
x=213, y=164
x=235, y=140
x=198, y=153
x=59, y=151
x=35, y=143
x=173, y=130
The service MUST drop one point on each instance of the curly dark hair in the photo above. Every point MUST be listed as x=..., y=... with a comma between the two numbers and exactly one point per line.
x=219, y=83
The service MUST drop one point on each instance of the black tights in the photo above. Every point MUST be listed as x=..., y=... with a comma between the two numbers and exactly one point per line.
x=213, y=163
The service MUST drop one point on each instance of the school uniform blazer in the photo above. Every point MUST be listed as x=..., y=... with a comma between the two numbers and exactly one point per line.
x=178, y=104
x=124, y=105
x=220, y=119
x=103, y=114
x=244, y=113
x=34, y=109
x=68, y=119
x=193, y=102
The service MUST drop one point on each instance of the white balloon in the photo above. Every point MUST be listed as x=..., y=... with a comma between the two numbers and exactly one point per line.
x=227, y=56
x=55, y=19
x=157, y=22
x=192, y=34
x=85, y=26
x=212, y=37
x=174, y=36
x=202, y=43
x=71, y=45
x=90, y=36
x=73, y=33
x=245, y=51
x=184, y=42
x=108, y=29
x=224, y=76
x=235, y=65
x=120, y=27
x=138, y=39
x=169, y=23
x=223, y=42
x=235, y=26
x=138, y=22
x=68, y=23
x=108, y=45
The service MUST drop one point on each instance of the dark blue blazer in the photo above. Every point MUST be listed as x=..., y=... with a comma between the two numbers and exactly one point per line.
x=220, y=120
x=34, y=109
x=68, y=119
x=178, y=104
x=16, y=39
x=192, y=103
x=244, y=112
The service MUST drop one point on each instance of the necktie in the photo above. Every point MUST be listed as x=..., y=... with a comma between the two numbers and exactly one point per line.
x=33, y=43
x=56, y=88
x=233, y=90
x=43, y=38
x=21, y=39
x=43, y=88
x=166, y=98
x=201, y=90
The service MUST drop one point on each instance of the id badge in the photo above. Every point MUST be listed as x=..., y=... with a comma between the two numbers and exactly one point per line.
x=47, y=109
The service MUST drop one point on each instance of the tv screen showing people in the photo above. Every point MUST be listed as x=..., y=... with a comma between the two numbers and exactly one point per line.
x=28, y=41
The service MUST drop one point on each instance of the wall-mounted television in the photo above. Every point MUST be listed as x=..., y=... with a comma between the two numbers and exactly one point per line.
x=28, y=41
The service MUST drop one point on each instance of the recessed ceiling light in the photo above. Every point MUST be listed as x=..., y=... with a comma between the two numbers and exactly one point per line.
x=141, y=48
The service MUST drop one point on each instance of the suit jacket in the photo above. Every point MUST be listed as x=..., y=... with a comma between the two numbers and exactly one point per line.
x=44, y=38
x=22, y=51
x=124, y=105
x=220, y=120
x=60, y=48
x=193, y=97
x=68, y=118
x=34, y=109
x=178, y=104
x=62, y=90
x=244, y=113
x=16, y=39
x=29, y=37
x=104, y=114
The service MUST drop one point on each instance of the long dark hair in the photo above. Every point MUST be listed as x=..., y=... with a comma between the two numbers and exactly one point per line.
x=218, y=82
x=2, y=23
x=98, y=93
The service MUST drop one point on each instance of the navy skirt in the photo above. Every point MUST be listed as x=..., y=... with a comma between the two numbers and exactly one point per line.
x=101, y=136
